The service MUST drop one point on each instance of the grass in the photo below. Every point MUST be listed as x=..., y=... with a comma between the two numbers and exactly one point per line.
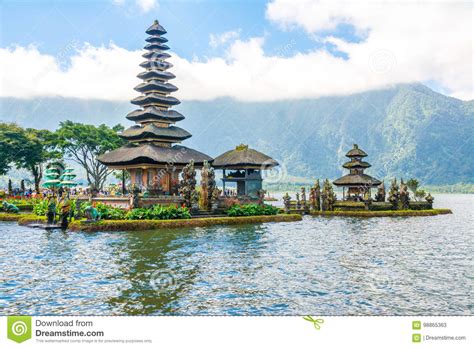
x=10, y=217
x=393, y=213
x=140, y=225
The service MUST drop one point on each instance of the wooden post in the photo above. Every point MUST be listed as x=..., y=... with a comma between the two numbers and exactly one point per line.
x=223, y=182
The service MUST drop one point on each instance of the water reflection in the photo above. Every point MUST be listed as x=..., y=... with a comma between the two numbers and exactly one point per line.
x=338, y=266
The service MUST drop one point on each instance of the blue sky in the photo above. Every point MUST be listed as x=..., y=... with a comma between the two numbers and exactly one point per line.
x=52, y=25
x=246, y=49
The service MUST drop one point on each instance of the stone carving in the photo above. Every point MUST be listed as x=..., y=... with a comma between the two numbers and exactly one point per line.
x=91, y=213
x=10, y=208
x=298, y=202
x=287, y=202
x=188, y=183
x=51, y=214
x=404, y=196
x=394, y=194
x=304, y=203
x=429, y=198
x=328, y=197
x=261, y=196
x=208, y=183
x=380, y=195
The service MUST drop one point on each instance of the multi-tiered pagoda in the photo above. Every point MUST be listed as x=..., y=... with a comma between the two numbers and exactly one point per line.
x=151, y=156
x=356, y=181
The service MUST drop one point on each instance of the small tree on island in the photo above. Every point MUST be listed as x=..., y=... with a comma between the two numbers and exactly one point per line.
x=413, y=185
x=10, y=187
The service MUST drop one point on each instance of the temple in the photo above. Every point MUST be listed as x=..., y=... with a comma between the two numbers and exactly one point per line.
x=152, y=155
x=357, y=183
x=244, y=169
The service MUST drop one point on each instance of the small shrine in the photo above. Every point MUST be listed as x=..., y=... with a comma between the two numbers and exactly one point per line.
x=356, y=185
x=243, y=168
x=152, y=155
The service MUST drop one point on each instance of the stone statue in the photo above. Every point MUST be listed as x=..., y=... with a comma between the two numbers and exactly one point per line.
x=51, y=214
x=394, y=194
x=287, y=202
x=65, y=213
x=317, y=192
x=304, y=203
x=208, y=183
x=215, y=199
x=77, y=210
x=261, y=196
x=10, y=208
x=312, y=198
x=430, y=199
x=380, y=196
x=194, y=201
x=328, y=197
x=91, y=213
x=188, y=183
x=298, y=202
x=404, y=196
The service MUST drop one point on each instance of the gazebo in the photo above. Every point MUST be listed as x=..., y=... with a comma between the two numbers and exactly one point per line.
x=151, y=156
x=243, y=166
x=356, y=182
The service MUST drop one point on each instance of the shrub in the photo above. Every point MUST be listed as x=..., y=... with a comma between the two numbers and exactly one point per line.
x=158, y=212
x=252, y=210
x=108, y=212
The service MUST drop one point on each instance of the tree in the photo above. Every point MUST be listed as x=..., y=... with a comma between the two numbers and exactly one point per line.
x=8, y=134
x=83, y=143
x=26, y=148
x=413, y=185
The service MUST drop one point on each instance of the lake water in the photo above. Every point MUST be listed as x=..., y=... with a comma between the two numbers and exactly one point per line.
x=329, y=266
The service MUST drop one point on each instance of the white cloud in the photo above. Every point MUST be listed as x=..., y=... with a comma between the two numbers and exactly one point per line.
x=427, y=40
x=147, y=5
x=216, y=40
x=405, y=43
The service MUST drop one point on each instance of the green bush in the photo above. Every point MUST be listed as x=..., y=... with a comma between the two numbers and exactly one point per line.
x=252, y=210
x=158, y=212
x=108, y=212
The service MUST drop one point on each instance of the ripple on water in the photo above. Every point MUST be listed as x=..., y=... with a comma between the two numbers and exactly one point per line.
x=335, y=266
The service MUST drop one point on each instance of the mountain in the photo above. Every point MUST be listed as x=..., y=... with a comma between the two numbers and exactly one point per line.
x=407, y=130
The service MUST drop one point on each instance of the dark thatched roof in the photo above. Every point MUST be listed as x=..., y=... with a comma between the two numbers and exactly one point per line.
x=156, y=38
x=156, y=74
x=156, y=29
x=155, y=98
x=150, y=131
x=356, y=152
x=155, y=85
x=156, y=64
x=156, y=55
x=156, y=46
x=356, y=164
x=356, y=180
x=244, y=157
x=152, y=154
x=154, y=113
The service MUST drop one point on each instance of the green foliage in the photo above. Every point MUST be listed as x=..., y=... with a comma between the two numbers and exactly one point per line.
x=252, y=210
x=27, y=148
x=110, y=213
x=83, y=143
x=159, y=212
x=40, y=207
x=385, y=213
x=141, y=225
